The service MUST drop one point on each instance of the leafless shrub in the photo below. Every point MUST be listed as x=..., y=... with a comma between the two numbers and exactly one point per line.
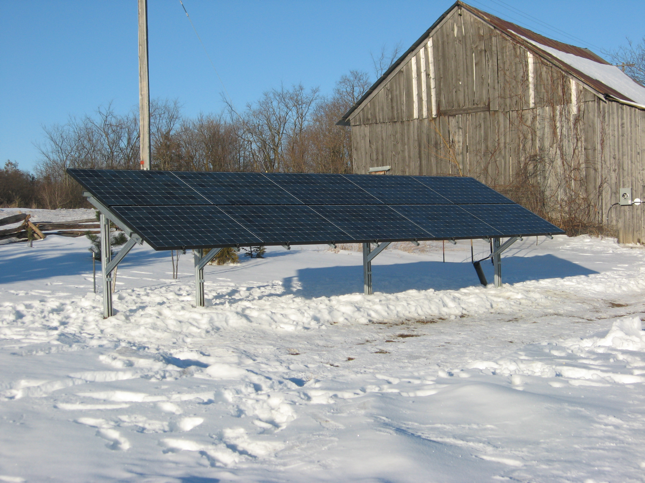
x=631, y=59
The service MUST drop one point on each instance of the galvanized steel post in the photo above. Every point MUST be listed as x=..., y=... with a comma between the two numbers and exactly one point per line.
x=198, y=254
x=497, y=262
x=367, y=269
x=106, y=253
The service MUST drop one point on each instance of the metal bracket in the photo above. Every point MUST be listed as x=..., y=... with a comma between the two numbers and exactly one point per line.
x=200, y=262
x=379, y=248
x=203, y=261
x=416, y=243
x=368, y=256
x=505, y=245
x=287, y=246
x=109, y=215
x=496, y=258
x=134, y=239
x=333, y=245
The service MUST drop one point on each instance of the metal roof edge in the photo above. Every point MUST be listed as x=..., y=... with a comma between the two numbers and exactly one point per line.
x=627, y=103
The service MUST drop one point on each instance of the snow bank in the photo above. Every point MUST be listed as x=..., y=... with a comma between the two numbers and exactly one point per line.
x=291, y=373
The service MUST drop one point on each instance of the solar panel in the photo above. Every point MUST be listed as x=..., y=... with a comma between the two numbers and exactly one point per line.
x=397, y=190
x=237, y=188
x=463, y=191
x=512, y=220
x=198, y=210
x=288, y=224
x=323, y=189
x=175, y=227
x=370, y=223
x=137, y=188
x=447, y=221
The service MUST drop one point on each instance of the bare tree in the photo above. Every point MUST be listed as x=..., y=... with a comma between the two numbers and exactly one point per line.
x=631, y=59
x=165, y=117
x=104, y=140
x=273, y=129
x=209, y=143
x=384, y=60
x=331, y=145
x=350, y=88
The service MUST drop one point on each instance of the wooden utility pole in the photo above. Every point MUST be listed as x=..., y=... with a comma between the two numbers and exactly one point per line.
x=622, y=65
x=144, y=87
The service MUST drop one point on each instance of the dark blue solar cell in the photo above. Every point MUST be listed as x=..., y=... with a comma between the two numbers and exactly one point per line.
x=237, y=188
x=323, y=189
x=512, y=220
x=397, y=190
x=463, y=191
x=372, y=223
x=198, y=210
x=174, y=227
x=447, y=221
x=293, y=224
x=137, y=188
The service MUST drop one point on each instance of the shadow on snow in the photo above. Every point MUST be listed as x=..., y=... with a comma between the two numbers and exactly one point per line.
x=395, y=278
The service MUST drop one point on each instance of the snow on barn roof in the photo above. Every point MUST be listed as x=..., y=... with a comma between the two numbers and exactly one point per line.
x=607, y=74
x=583, y=64
x=605, y=79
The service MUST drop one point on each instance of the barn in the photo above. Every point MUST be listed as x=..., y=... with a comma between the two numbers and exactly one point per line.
x=553, y=126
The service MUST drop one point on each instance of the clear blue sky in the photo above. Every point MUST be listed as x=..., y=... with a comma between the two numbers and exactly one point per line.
x=62, y=58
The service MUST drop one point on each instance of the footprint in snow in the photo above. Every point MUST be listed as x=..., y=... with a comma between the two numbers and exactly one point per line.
x=115, y=441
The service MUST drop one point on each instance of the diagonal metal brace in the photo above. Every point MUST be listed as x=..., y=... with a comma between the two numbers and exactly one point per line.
x=507, y=244
x=379, y=248
x=200, y=262
x=199, y=265
x=496, y=258
x=134, y=239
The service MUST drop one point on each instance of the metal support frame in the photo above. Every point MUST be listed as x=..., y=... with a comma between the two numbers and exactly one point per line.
x=107, y=263
x=106, y=276
x=496, y=257
x=368, y=256
x=201, y=261
x=497, y=262
x=498, y=248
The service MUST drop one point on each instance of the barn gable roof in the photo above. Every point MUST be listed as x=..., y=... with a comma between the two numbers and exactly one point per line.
x=606, y=80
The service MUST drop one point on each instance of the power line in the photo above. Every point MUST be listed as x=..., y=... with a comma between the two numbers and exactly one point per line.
x=533, y=19
x=546, y=25
x=230, y=99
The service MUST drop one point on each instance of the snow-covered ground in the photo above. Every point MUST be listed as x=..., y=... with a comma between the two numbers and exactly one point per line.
x=292, y=374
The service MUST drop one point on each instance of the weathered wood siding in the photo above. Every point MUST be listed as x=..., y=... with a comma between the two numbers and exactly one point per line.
x=471, y=101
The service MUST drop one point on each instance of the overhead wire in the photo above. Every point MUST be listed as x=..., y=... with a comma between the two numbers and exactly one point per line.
x=545, y=24
x=532, y=18
x=228, y=96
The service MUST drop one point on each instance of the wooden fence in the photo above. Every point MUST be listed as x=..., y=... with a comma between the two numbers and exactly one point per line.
x=40, y=230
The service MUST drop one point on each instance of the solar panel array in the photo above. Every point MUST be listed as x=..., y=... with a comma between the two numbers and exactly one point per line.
x=173, y=210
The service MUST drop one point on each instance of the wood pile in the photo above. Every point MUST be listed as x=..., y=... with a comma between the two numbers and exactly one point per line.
x=41, y=229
